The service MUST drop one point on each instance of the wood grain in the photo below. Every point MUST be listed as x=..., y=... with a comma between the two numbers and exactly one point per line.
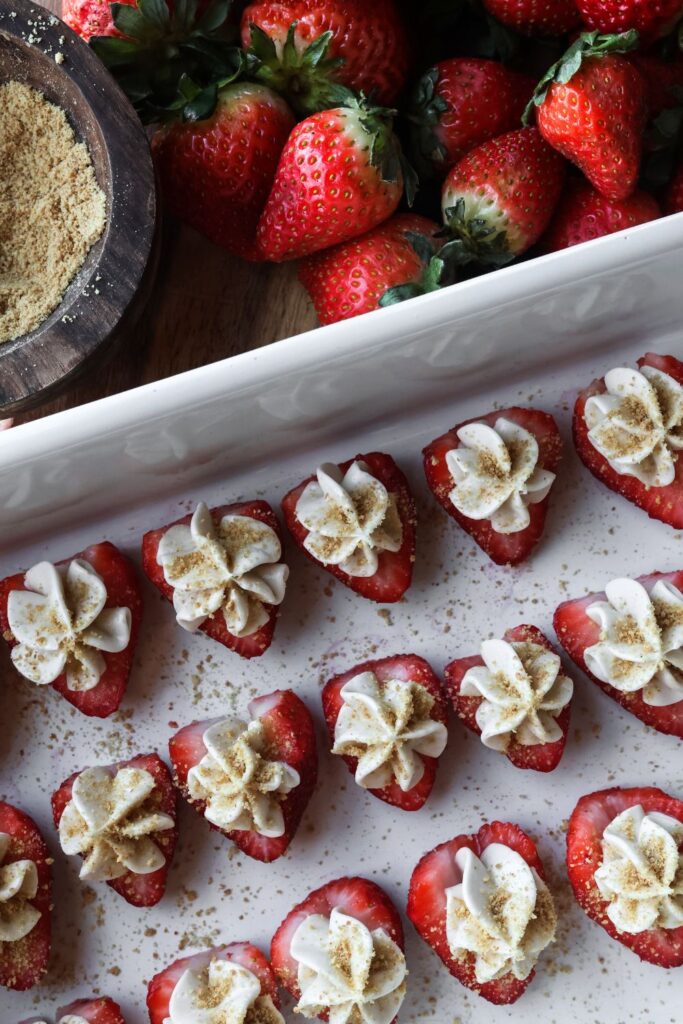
x=113, y=283
x=206, y=305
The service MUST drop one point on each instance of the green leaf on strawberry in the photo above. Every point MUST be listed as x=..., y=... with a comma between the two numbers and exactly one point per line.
x=164, y=45
x=304, y=76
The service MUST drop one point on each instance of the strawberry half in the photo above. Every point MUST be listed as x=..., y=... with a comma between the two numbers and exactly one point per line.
x=23, y=961
x=577, y=632
x=502, y=548
x=540, y=757
x=242, y=954
x=427, y=903
x=123, y=591
x=140, y=890
x=664, y=503
x=289, y=737
x=356, y=898
x=394, y=570
x=407, y=668
x=100, y=1010
x=215, y=626
x=585, y=856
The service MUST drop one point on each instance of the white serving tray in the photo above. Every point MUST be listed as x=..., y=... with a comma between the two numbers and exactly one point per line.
x=254, y=425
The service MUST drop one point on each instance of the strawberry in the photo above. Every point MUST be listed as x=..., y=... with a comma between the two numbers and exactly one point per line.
x=104, y=858
x=116, y=572
x=285, y=734
x=353, y=278
x=243, y=955
x=418, y=674
x=438, y=872
x=367, y=42
x=340, y=175
x=584, y=214
x=591, y=107
x=586, y=848
x=255, y=641
x=663, y=81
x=664, y=502
x=674, y=195
x=461, y=103
x=577, y=632
x=216, y=173
x=100, y=1010
x=504, y=545
x=539, y=756
x=91, y=17
x=356, y=898
x=24, y=959
x=652, y=19
x=535, y=17
x=498, y=200
x=384, y=532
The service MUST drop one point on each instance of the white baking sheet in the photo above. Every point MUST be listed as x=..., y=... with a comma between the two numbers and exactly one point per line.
x=216, y=894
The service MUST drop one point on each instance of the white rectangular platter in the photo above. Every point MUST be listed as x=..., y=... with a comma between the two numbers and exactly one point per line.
x=254, y=426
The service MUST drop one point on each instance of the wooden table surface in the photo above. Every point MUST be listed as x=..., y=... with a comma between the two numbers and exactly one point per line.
x=206, y=305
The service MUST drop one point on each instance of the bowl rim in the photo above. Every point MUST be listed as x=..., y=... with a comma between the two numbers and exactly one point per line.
x=99, y=298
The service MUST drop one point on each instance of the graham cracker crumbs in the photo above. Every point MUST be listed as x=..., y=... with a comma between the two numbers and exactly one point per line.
x=52, y=210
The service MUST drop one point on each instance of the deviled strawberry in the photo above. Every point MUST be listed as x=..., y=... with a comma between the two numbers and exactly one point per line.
x=98, y=1010
x=74, y=625
x=493, y=475
x=222, y=568
x=625, y=864
x=339, y=953
x=481, y=903
x=628, y=431
x=357, y=520
x=25, y=908
x=516, y=697
x=387, y=719
x=121, y=819
x=251, y=780
x=629, y=640
x=227, y=983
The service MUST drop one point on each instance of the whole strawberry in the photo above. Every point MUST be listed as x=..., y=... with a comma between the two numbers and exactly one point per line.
x=591, y=107
x=584, y=214
x=650, y=18
x=536, y=17
x=352, y=278
x=499, y=199
x=369, y=37
x=460, y=103
x=216, y=173
x=339, y=176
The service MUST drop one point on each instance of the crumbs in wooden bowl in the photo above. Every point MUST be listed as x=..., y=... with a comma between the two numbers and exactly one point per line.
x=52, y=209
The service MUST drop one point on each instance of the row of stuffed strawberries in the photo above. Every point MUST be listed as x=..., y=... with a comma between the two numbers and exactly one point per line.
x=75, y=625
x=479, y=901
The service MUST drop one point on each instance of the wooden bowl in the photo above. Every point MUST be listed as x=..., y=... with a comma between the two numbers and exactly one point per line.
x=107, y=294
